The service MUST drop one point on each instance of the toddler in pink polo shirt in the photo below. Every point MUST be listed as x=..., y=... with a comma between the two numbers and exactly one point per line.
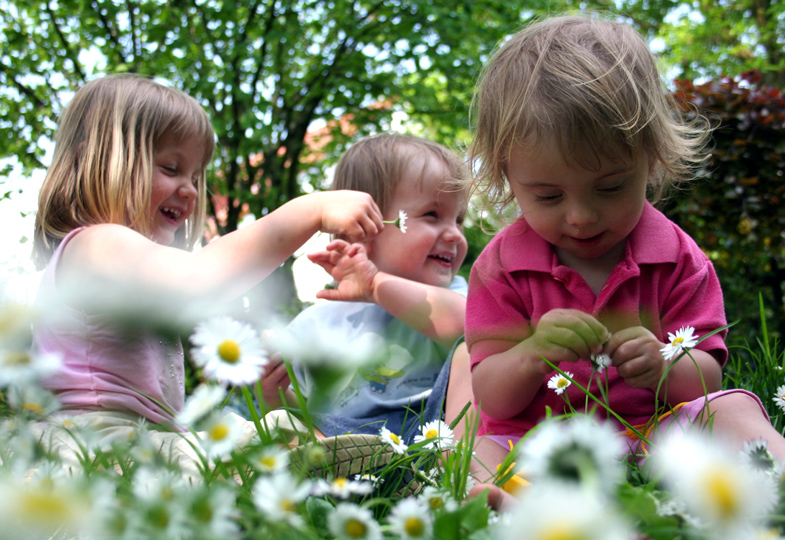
x=590, y=266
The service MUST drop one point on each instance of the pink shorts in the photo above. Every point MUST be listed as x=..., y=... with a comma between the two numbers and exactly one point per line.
x=677, y=420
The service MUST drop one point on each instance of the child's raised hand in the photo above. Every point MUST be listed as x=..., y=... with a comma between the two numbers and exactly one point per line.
x=635, y=353
x=567, y=335
x=353, y=214
x=350, y=267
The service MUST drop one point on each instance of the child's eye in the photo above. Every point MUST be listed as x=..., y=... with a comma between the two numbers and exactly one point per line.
x=547, y=199
x=611, y=189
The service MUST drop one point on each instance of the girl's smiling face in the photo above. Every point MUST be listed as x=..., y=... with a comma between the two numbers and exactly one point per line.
x=586, y=214
x=433, y=247
x=176, y=171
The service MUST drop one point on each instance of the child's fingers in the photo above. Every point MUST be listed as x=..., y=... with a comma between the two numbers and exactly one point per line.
x=337, y=245
x=578, y=331
x=329, y=294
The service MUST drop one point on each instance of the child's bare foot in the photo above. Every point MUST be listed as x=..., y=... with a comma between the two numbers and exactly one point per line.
x=498, y=499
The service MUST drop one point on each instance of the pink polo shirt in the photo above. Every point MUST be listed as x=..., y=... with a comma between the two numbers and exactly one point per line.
x=663, y=282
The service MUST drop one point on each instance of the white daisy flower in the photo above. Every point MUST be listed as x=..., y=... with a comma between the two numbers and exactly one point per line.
x=352, y=522
x=779, y=399
x=162, y=519
x=560, y=383
x=213, y=513
x=278, y=496
x=43, y=509
x=204, y=399
x=755, y=454
x=393, y=440
x=400, y=222
x=728, y=497
x=32, y=400
x=600, y=361
x=220, y=434
x=22, y=367
x=683, y=340
x=557, y=511
x=342, y=488
x=677, y=508
x=372, y=478
x=271, y=460
x=438, y=500
x=228, y=351
x=579, y=451
x=437, y=434
x=157, y=484
x=411, y=520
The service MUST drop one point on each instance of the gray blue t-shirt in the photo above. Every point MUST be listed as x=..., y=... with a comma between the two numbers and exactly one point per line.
x=403, y=368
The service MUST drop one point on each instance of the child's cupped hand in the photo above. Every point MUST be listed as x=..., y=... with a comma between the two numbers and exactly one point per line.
x=353, y=214
x=567, y=335
x=350, y=267
x=635, y=352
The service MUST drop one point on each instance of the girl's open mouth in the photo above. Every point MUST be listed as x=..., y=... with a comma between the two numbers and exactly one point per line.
x=587, y=242
x=171, y=215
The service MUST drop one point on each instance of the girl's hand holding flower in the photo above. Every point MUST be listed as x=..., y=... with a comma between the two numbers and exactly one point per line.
x=566, y=335
x=635, y=352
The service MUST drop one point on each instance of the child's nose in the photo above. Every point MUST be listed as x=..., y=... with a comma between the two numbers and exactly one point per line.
x=453, y=233
x=187, y=190
x=580, y=215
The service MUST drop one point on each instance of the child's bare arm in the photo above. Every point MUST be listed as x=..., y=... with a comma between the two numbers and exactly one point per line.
x=636, y=353
x=226, y=267
x=436, y=312
x=505, y=382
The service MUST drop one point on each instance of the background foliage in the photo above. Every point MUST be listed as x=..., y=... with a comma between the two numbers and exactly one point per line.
x=735, y=211
x=290, y=83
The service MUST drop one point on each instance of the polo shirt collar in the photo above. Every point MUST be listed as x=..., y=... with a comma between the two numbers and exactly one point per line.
x=654, y=240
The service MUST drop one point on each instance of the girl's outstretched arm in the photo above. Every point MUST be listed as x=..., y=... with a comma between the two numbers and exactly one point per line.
x=436, y=312
x=128, y=264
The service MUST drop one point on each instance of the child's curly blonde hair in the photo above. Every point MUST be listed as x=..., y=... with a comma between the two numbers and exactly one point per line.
x=592, y=87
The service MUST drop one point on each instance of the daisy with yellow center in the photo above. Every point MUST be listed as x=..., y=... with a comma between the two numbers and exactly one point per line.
x=728, y=496
x=436, y=434
x=228, y=351
x=393, y=440
x=683, y=340
x=411, y=520
x=342, y=488
x=278, y=497
x=559, y=383
x=352, y=522
x=541, y=515
x=271, y=460
x=220, y=434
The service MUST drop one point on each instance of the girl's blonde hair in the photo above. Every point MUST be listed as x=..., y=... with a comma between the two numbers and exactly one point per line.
x=592, y=87
x=102, y=168
x=376, y=165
